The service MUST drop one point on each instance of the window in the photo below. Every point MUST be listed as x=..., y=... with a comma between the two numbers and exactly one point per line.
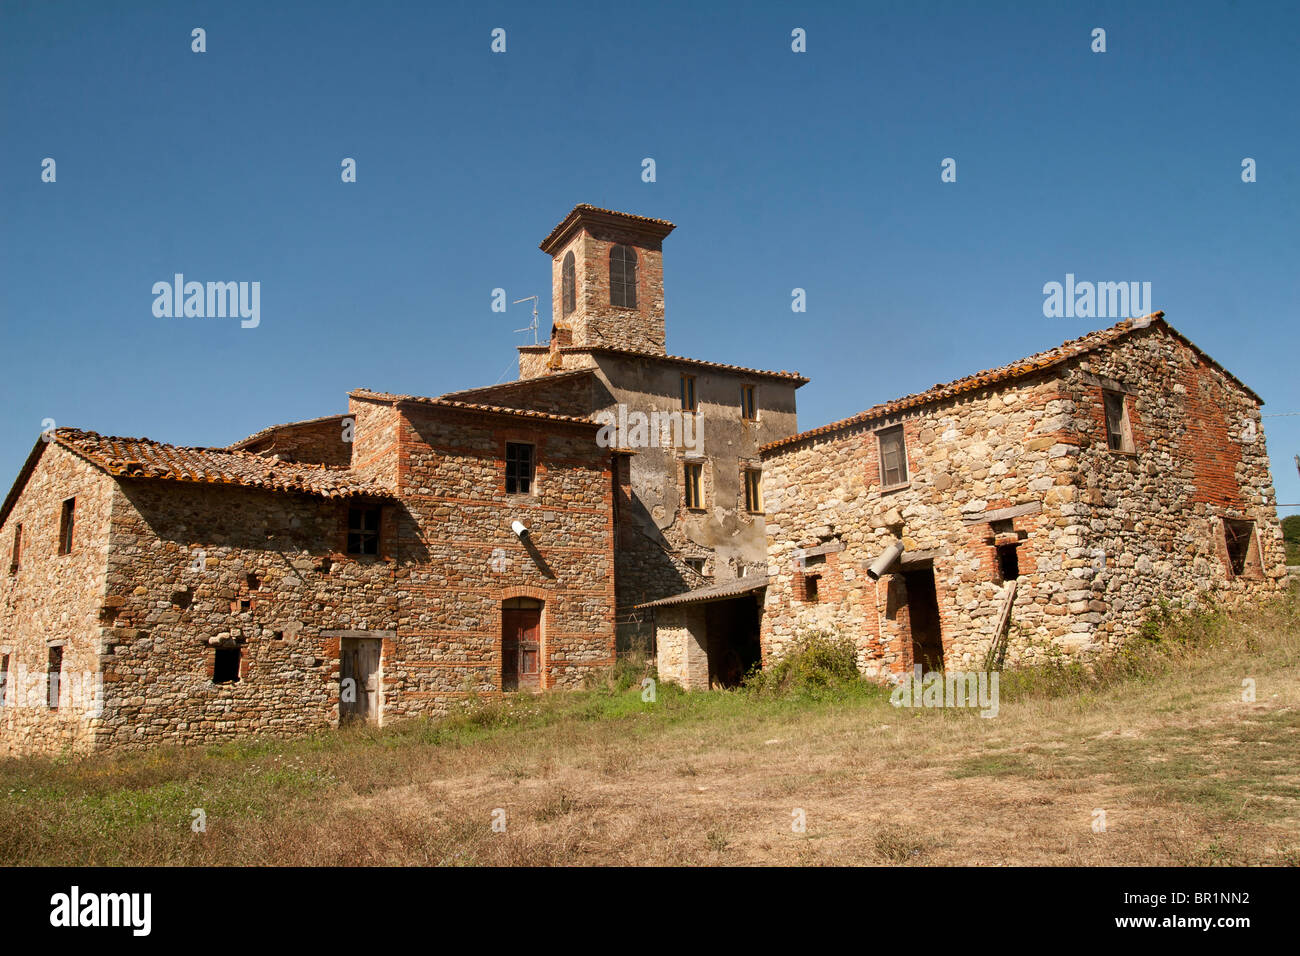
x=363, y=529
x=810, y=582
x=225, y=665
x=519, y=468
x=622, y=277
x=568, y=285
x=688, y=393
x=1118, y=435
x=1238, y=536
x=18, y=549
x=65, y=526
x=1009, y=561
x=4, y=678
x=54, y=673
x=696, y=565
x=748, y=407
x=692, y=475
x=753, y=490
x=893, y=457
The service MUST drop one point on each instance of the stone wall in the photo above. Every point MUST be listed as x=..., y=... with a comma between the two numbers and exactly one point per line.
x=318, y=442
x=1099, y=535
x=164, y=574
x=53, y=598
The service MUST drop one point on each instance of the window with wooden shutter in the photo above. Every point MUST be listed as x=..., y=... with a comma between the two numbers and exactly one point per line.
x=893, y=457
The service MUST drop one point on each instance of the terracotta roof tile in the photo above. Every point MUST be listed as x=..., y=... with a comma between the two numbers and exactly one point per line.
x=143, y=458
x=271, y=429
x=1020, y=368
x=675, y=359
x=658, y=227
x=365, y=393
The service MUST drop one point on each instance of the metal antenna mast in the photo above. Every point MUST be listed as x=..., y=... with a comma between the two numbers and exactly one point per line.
x=532, y=328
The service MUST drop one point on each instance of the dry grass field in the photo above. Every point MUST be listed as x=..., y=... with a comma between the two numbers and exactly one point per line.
x=1162, y=741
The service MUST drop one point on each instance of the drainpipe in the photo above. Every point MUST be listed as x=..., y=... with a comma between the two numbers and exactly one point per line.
x=886, y=560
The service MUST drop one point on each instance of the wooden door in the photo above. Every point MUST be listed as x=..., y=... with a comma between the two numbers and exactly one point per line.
x=521, y=650
x=359, y=664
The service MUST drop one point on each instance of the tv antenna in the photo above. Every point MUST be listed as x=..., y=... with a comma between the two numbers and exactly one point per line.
x=532, y=328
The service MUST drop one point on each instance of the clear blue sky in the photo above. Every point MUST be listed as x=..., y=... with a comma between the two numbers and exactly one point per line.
x=817, y=170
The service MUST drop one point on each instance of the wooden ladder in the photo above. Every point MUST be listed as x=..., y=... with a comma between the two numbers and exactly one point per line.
x=998, y=647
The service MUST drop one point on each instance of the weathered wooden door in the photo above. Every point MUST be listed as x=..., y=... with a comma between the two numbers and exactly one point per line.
x=359, y=692
x=521, y=652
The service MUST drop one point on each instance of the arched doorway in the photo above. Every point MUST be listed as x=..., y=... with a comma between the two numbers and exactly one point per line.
x=521, y=644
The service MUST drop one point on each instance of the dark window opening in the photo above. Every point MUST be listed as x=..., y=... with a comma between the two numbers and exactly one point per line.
x=519, y=468
x=1009, y=561
x=893, y=457
x=688, y=393
x=182, y=599
x=253, y=582
x=748, y=406
x=622, y=277
x=65, y=526
x=753, y=491
x=1118, y=436
x=568, y=285
x=811, y=559
x=245, y=605
x=16, y=559
x=1238, y=535
x=54, y=672
x=692, y=474
x=225, y=665
x=363, y=530
x=696, y=565
x=4, y=677
x=810, y=592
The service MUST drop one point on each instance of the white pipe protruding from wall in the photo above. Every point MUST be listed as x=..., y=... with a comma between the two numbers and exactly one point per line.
x=519, y=528
x=886, y=560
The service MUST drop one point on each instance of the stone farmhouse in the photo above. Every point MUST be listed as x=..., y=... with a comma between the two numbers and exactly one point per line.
x=390, y=560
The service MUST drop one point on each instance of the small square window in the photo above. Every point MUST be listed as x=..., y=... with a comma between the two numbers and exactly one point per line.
x=519, y=468
x=1119, y=436
x=225, y=665
x=748, y=405
x=696, y=565
x=692, y=475
x=363, y=529
x=66, y=520
x=893, y=457
x=688, y=393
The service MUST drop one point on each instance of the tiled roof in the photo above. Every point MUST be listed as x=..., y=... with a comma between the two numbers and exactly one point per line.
x=1018, y=369
x=713, y=592
x=675, y=359
x=519, y=383
x=365, y=393
x=271, y=429
x=658, y=227
x=142, y=458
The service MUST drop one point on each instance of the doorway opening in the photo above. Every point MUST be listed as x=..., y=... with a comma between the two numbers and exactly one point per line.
x=360, y=690
x=923, y=619
x=733, y=642
x=521, y=644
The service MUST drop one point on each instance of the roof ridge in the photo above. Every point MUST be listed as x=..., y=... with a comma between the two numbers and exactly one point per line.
x=1037, y=361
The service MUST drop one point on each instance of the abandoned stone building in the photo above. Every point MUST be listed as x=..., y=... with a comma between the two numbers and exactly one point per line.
x=1039, y=510
x=384, y=562
x=387, y=561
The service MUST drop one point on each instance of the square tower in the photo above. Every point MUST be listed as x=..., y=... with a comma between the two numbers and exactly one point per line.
x=607, y=280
